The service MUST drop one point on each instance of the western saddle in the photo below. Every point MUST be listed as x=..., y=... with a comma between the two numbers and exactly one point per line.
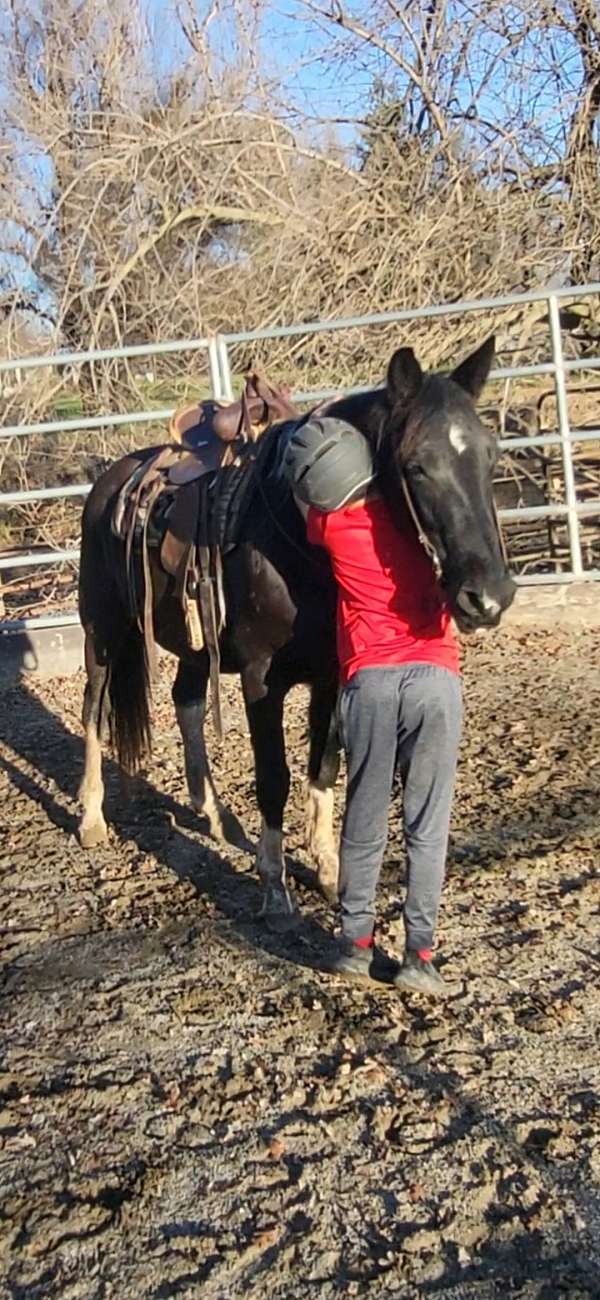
x=158, y=508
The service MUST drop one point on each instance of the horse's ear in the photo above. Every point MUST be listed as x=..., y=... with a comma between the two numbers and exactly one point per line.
x=404, y=377
x=472, y=374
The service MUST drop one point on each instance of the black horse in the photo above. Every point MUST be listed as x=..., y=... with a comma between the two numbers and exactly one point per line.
x=435, y=460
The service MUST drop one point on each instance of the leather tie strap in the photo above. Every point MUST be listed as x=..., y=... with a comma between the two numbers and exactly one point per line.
x=210, y=623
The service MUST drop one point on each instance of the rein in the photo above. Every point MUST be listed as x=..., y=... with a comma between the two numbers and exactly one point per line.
x=501, y=538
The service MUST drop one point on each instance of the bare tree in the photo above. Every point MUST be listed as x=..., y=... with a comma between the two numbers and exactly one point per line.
x=161, y=181
x=146, y=205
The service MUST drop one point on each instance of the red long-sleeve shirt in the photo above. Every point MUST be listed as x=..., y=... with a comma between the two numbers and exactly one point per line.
x=390, y=607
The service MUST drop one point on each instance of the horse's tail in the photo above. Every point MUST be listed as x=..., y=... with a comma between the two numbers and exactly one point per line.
x=129, y=687
x=105, y=610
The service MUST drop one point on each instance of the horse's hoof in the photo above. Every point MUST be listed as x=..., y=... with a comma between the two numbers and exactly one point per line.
x=90, y=837
x=279, y=910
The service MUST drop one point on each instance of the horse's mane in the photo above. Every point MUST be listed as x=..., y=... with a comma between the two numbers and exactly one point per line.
x=367, y=411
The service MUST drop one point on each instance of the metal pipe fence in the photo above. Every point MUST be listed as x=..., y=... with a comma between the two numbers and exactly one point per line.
x=217, y=349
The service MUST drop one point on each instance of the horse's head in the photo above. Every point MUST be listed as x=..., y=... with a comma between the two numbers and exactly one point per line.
x=432, y=441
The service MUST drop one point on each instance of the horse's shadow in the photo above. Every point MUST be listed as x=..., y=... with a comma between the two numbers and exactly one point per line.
x=158, y=824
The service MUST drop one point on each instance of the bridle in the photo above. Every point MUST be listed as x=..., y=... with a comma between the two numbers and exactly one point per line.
x=426, y=542
x=427, y=545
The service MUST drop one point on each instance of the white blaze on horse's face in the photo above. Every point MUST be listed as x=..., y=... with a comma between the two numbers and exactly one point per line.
x=457, y=439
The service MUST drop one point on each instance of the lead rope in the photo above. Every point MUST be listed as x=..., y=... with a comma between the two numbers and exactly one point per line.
x=503, y=547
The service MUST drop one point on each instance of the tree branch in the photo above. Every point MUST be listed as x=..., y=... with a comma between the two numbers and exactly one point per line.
x=220, y=213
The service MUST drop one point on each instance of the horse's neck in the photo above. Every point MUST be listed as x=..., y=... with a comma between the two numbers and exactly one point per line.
x=363, y=410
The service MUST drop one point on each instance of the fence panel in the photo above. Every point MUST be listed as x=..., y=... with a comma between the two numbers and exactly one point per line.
x=218, y=348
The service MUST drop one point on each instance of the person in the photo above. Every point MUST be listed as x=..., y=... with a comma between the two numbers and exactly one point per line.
x=400, y=701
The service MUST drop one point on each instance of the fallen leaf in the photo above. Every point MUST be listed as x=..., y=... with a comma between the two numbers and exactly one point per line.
x=268, y=1237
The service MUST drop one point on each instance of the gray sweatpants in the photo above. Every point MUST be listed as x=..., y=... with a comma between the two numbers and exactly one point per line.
x=404, y=719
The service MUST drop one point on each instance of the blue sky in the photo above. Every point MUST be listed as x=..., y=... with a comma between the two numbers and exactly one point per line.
x=291, y=47
x=328, y=89
x=290, y=50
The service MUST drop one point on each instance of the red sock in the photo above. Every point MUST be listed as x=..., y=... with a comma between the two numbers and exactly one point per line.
x=425, y=954
x=366, y=942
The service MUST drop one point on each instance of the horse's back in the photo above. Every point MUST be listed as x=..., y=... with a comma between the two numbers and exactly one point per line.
x=112, y=480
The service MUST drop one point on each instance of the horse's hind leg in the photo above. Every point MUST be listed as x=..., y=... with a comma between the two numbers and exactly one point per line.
x=189, y=698
x=92, y=828
x=264, y=710
x=323, y=767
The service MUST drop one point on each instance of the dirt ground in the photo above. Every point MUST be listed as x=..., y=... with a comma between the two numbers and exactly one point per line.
x=190, y=1106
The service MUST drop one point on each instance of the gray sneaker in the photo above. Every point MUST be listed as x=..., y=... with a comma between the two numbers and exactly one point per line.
x=420, y=976
x=372, y=964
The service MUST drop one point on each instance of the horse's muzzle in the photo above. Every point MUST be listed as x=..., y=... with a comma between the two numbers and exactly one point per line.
x=483, y=606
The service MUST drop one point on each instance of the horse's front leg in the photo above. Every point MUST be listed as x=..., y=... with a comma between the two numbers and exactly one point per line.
x=323, y=767
x=264, y=710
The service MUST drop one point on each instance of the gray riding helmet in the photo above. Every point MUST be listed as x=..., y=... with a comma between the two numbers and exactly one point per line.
x=328, y=463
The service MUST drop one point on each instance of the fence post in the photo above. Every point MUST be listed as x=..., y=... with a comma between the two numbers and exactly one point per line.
x=214, y=368
x=562, y=407
x=225, y=369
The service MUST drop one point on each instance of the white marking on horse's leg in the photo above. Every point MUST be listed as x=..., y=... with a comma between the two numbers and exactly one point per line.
x=92, y=827
x=320, y=838
x=201, y=787
x=278, y=908
x=457, y=439
x=270, y=859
